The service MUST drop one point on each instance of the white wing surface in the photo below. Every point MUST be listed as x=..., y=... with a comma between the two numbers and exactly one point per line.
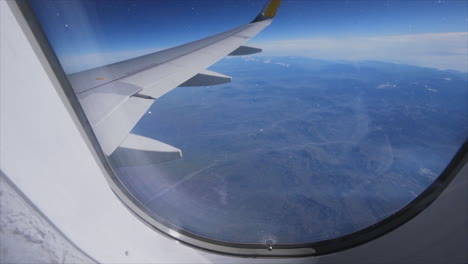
x=116, y=96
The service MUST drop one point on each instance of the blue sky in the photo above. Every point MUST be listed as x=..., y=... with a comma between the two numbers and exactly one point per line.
x=82, y=30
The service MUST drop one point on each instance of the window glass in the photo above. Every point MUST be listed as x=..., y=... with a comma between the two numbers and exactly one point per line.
x=352, y=110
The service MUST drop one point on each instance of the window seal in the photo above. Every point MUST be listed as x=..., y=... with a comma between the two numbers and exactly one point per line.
x=324, y=247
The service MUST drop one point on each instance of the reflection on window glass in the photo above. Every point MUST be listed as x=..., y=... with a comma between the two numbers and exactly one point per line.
x=352, y=110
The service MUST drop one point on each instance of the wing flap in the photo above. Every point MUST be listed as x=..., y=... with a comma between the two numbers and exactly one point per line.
x=113, y=130
x=101, y=102
x=138, y=150
x=207, y=78
x=245, y=50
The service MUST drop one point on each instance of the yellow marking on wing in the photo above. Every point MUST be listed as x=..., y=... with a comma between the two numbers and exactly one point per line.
x=100, y=78
x=270, y=11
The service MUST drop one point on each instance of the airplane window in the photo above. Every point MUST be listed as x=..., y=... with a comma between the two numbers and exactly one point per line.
x=350, y=112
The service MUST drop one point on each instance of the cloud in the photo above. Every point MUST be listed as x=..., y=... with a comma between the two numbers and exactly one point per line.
x=249, y=58
x=437, y=50
x=282, y=64
x=386, y=86
x=266, y=61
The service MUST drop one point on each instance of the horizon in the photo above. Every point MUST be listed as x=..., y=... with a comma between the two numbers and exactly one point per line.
x=421, y=33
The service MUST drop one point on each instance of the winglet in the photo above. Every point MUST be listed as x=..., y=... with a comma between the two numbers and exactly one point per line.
x=269, y=11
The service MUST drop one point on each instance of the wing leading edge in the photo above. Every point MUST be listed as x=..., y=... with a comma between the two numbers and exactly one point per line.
x=116, y=96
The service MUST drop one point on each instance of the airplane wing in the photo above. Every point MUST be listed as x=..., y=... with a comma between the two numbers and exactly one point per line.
x=116, y=96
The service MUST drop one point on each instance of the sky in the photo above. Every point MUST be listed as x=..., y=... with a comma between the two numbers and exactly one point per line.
x=431, y=33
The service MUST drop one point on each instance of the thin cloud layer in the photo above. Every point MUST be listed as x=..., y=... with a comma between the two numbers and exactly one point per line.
x=437, y=50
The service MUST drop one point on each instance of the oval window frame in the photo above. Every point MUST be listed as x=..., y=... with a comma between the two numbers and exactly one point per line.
x=319, y=248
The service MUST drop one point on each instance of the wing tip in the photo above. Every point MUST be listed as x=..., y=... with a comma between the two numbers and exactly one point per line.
x=269, y=11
